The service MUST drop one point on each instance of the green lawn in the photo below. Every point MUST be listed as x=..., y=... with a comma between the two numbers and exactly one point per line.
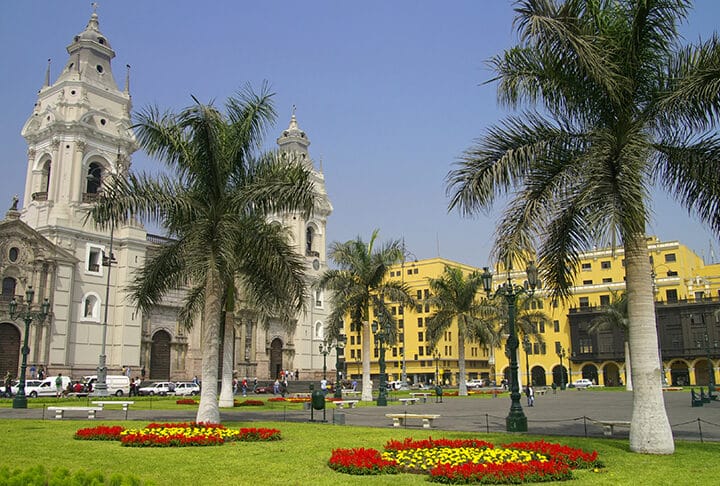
x=300, y=458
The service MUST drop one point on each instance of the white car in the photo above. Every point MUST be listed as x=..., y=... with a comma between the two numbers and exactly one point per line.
x=162, y=388
x=187, y=388
x=474, y=384
x=583, y=383
x=28, y=384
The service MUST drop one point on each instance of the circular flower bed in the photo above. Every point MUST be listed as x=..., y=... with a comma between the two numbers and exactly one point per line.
x=177, y=435
x=467, y=461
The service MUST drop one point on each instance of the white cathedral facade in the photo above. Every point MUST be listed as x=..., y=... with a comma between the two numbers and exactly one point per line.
x=79, y=133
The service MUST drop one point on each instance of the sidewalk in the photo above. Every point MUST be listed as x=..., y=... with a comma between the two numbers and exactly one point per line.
x=568, y=412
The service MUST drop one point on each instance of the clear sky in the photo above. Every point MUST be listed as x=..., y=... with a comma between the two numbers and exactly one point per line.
x=390, y=93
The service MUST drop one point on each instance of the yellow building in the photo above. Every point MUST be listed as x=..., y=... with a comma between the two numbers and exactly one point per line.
x=687, y=299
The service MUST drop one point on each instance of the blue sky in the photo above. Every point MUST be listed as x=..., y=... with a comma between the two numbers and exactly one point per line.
x=390, y=93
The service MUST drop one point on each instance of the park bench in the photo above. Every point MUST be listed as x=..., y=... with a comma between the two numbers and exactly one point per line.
x=541, y=391
x=421, y=396
x=609, y=425
x=351, y=393
x=401, y=418
x=125, y=404
x=341, y=403
x=59, y=411
x=695, y=399
x=410, y=401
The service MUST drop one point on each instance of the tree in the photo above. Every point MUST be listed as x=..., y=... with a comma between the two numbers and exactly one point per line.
x=362, y=292
x=215, y=209
x=615, y=316
x=612, y=108
x=455, y=297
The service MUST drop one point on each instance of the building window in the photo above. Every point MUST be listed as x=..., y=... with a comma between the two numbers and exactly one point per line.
x=427, y=293
x=672, y=273
x=394, y=352
x=543, y=348
x=607, y=280
x=401, y=323
x=556, y=326
x=420, y=322
x=584, y=302
x=605, y=265
x=8, y=288
x=319, y=331
x=558, y=347
x=421, y=349
x=318, y=298
x=93, y=259
x=587, y=282
x=542, y=326
x=13, y=254
x=352, y=341
x=670, y=257
x=536, y=348
x=586, y=267
x=394, y=311
x=586, y=346
x=419, y=294
x=420, y=336
x=427, y=307
x=415, y=271
x=418, y=309
x=604, y=300
x=671, y=295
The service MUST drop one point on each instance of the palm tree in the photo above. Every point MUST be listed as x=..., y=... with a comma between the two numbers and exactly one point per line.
x=362, y=292
x=455, y=297
x=616, y=114
x=615, y=316
x=215, y=210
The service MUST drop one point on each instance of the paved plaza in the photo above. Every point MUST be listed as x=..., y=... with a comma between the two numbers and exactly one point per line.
x=569, y=412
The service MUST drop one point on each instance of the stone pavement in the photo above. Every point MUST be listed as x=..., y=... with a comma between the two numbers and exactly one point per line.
x=569, y=412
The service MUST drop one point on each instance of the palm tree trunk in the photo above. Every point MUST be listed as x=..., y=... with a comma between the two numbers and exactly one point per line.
x=462, y=390
x=650, y=431
x=628, y=368
x=226, y=389
x=208, y=410
x=366, y=383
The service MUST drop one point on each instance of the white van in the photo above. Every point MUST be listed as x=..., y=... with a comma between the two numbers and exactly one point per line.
x=117, y=385
x=46, y=388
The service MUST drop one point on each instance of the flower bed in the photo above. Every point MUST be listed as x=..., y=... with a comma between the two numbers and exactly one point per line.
x=277, y=399
x=186, y=401
x=249, y=403
x=298, y=399
x=178, y=435
x=467, y=461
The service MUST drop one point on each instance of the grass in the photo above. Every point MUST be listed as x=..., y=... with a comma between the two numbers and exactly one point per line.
x=301, y=457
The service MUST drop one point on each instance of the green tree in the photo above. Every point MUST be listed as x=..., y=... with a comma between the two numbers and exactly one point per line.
x=455, y=296
x=612, y=108
x=615, y=316
x=362, y=292
x=215, y=209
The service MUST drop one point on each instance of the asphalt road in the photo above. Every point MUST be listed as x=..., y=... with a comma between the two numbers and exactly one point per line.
x=569, y=412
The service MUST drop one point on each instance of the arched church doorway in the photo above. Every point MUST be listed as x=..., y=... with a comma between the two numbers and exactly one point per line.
x=9, y=349
x=539, y=378
x=160, y=356
x=276, y=363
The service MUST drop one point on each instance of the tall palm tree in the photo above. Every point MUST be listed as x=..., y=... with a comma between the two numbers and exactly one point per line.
x=362, y=292
x=616, y=114
x=215, y=209
x=615, y=316
x=455, y=297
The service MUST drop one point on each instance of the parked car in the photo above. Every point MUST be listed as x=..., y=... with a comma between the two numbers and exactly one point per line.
x=583, y=383
x=161, y=388
x=28, y=383
x=264, y=388
x=46, y=388
x=474, y=384
x=185, y=388
x=117, y=385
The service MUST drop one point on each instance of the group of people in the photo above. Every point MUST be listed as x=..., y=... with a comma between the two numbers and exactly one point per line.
x=286, y=375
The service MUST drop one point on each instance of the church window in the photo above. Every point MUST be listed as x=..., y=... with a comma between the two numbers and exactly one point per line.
x=14, y=253
x=45, y=181
x=93, y=259
x=94, y=178
x=310, y=242
x=8, y=288
x=103, y=121
x=319, y=331
x=318, y=298
x=99, y=68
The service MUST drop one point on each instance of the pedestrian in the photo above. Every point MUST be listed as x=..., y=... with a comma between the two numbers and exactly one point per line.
x=132, y=387
x=8, y=384
x=33, y=371
x=58, y=385
x=530, y=393
x=323, y=386
x=554, y=387
x=244, y=387
x=41, y=373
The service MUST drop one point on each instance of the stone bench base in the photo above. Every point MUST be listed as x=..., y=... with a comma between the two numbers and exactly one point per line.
x=399, y=419
x=609, y=425
x=59, y=411
x=341, y=403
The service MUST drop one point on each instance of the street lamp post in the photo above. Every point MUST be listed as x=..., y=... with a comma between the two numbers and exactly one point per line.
x=527, y=346
x=382, y=334
x=437, y=367
x=561, y=355
x=339, y=347
x=324, y=350
x=27, y=315
x=711, y=368
x=516, y=420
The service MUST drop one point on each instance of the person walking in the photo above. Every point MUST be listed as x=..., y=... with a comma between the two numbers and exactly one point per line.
x=530, y=395
x=58, y=385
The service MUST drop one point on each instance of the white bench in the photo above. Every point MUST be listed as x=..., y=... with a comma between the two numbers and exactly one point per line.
x=341, y=403
x=59, y=411
x=400, y=418
x=407, y=401
x=541, y=391
x=351, y=393
x=421, y=396
x=102, y=404
x=609, y=425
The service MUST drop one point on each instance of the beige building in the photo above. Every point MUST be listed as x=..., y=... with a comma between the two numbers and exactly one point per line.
x=78, y=135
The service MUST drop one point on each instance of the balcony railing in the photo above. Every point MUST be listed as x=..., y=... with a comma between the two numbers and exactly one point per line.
x=40, y=196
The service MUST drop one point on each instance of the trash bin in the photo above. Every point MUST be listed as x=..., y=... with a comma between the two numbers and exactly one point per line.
x=318, y=400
